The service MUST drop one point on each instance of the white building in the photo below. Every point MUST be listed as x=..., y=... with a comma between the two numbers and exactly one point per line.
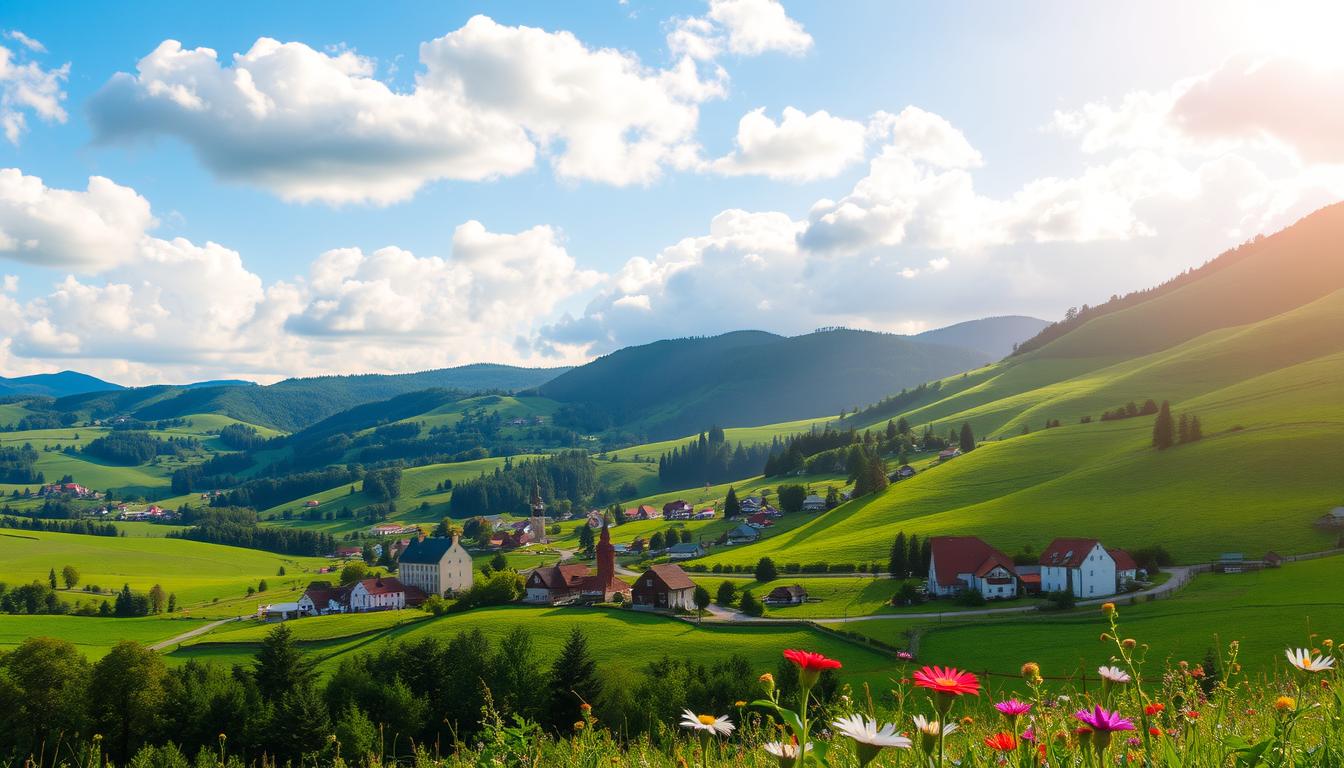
x=381, y=594
x=435, y=566
x=965, y=563
x=1080, y=566
x=814, y=503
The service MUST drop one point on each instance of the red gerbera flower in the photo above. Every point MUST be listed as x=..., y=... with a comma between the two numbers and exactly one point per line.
x=1002, y=741
x=811, y=661
x=947, y=680
x=1153, y=709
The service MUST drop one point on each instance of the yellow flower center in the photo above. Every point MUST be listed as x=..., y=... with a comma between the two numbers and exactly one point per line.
x=950, y=682
x=706, y=719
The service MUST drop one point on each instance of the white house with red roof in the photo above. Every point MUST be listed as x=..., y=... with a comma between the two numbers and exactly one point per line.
x=1081, y=566
x=962, y=563
x=383, y=593
x=1126, y=569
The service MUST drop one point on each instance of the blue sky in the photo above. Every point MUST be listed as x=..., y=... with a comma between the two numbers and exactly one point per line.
x=948, y=161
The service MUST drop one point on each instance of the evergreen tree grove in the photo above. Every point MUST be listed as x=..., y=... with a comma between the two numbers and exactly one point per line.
x=1163, y=429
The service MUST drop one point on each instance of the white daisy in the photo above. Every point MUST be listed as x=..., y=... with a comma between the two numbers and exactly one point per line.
x=786, y=754
x=869, y=738
x=930, y=727
x=719, y=726
x=1303, y=660
x=1113, y=674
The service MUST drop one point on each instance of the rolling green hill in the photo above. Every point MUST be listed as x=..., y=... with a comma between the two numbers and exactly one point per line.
x=1253, y=344
x=749, y=377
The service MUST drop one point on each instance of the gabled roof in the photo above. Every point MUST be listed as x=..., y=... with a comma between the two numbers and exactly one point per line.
x=1123, y=560
x=383, y=585
x=691, y=547
x=672, y=576
x=426, y=551
x=953, y=555
x=745, y=531
x=789, y=592
x=323, y=592
x=1067, y=553
x=561, y=576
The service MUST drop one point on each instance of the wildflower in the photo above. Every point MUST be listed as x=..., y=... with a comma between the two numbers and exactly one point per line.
x=785, y=753
x=1133, y=741
x=810, y=666
x=1012, y=708
x=1103, y=723
x=869, y=738
x=578, y=725
x=1191, y=714
x=1154, y=731
x=739, y=704
x=930, y=730
x=1113, y=675
x=719, y=726
x=1285, y=703
x=1002, y=741
x=1105, y=637
x=1129, y=643
x=1154, y=709
x=905, y=655
x=1197, y=672
x=947, y=680
x=1031, y=670
x=1108, y=609
x=223, y=737
x=768, y=681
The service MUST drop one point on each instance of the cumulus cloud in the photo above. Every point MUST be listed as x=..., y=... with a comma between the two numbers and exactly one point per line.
x=87, y=230
x=313, y=125
x=25, y=86
x=743, y=27
x=800, y=147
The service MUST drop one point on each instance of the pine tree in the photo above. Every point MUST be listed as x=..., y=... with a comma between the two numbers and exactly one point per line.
x=279, y=665
x=1196, y=430
x=912, y=556
x=1163, y=428
x=877, y=475
x=896, y=562
x=726, y=594
x=731, y=506
x=574, y=681
x=1183, y=429
x=766, y=570
x=925, y=558
x=966, y=440
x=51, y=578
x=903, y=426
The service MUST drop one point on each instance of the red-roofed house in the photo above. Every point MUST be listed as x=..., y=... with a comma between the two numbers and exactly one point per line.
x=323, y=598
x=1126, y=570
x=556, y=584
x=1080, y=566
x=383, y=594
x=760, y=520
x=643, y=512
x=961, y=563
x=678, y=510
x=664, y=588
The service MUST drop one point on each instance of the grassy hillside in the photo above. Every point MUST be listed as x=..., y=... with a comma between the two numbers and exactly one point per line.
x=93, y=636
x=197, y=573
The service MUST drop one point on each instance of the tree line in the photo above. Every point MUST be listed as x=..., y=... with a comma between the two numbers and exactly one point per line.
x=238, y=528
x=568, y=476
x=709, y=459
x=135, y=448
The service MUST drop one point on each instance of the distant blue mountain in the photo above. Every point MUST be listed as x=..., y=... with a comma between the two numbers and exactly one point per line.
x=220, y=383
x=55, y=384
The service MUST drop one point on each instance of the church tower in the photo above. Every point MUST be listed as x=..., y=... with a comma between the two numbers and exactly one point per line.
x=606, y=559
x=538, y=520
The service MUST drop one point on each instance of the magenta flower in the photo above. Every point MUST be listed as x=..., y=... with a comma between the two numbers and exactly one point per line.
x=1012, y=708
x=904, y=655
x=1102, y=721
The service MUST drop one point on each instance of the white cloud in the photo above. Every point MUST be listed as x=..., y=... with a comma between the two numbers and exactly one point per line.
x=27, y=86
x=800, y=147
x=88, y=230
x=312, y=125
x=744, y=27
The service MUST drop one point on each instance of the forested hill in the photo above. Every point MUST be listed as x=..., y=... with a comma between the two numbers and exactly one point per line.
x=675, y=387
x=996, y=337
x=293, y=404
x=53, y=384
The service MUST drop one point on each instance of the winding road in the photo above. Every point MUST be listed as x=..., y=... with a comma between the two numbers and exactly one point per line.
x=201, y=630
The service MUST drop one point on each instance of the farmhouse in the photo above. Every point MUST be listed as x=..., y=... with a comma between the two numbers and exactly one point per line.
x=814, y=503
x=386, y=529
x=750, y=504
x=643, y=512
x=1126, y=570
x=960, y=563
x=743, y=534
x=556, y=584
x=950, y=453
x=684, y=551
x=664, y=587
x=902, y=472
x=790, y=595
x=435, y=566
x=705, y=514
x=382, y=593
x=759, y=520
x=322, y=598
x=678, y=510
x=1081, y=566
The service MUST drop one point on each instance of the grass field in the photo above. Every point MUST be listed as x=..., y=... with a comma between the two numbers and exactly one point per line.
x=92, y=635
x=1266, y=611
x=196, y=572
x=835, y=596
x=623, y=639
x=744, y=435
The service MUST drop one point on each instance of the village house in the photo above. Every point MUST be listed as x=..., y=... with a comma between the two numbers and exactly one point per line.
x=1080, y=566
x=312, y=503
x=705, y=514
x=759, y=520
x=74, y=490
x=321, y=598
x=595, y=518
x=950, y=453
x=750, y=504
x=902, y=472
x=382, y=593
x=684, y=551
x=386, y=529
x=643, y=512
x=961, y=563
x=348, y=552
x=678, y=510
x=510, y=539
x=814, y=503
x=556, y=584
x=1126, y=570
x=743, y=534
x=435, y=566
x=664, y=588
x=795, y=594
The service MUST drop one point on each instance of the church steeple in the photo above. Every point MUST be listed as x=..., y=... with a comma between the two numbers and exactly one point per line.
x=538, y=521
x=606, y=557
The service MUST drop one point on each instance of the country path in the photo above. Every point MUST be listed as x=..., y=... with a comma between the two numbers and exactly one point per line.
x=201, y=630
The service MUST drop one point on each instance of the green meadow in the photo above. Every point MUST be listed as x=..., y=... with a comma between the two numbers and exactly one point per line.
x=196, y=572
x=93, y=636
